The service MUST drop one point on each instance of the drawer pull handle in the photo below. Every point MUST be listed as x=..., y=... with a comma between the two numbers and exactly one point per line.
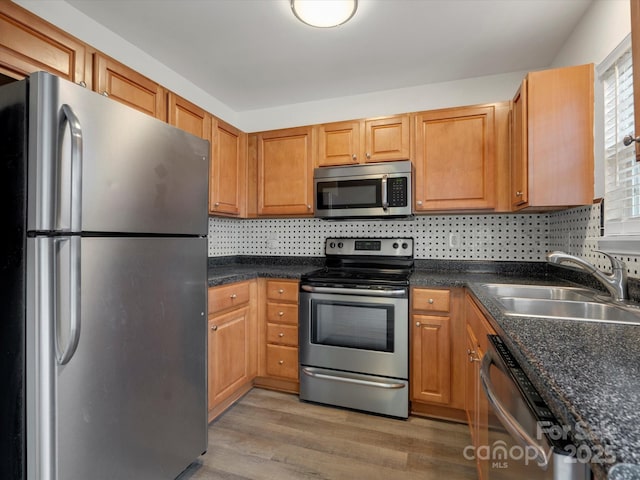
x=281, y=334
x=280, y=362
x=430, y=301
x=233, y=296
x=280, y=291
x=280, y=314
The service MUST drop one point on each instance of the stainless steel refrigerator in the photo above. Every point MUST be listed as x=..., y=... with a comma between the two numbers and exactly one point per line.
x=104, y=288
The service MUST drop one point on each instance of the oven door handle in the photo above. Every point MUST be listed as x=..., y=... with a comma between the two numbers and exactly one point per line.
x=510, y=423
x=346, y=378
x=402, y=292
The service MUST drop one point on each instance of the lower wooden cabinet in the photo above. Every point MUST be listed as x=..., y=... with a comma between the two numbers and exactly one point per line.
x=476, y=405
x=233, y=342
x=437, y=326
x=279, y=335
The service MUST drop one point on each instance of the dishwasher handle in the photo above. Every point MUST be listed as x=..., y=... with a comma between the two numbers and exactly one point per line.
x=508, y=421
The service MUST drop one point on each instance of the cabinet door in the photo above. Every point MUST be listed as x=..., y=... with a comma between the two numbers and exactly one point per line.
x=188, y=117
x=29, y=44
x=519, y=158
x=129, y=87
x=455, y=159
x=339, y=144
x=387, y=139
x=285, y=172
x=227, y=183
x=228, y=353
x=431, y=358
x=559, y=136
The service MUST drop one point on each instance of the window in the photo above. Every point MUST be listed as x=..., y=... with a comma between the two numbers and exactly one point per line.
x=622, y=172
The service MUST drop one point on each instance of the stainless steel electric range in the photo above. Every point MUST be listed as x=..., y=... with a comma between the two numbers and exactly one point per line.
x=354, y=326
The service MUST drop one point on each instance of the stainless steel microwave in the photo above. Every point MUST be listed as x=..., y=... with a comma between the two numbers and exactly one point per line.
x=378, y=190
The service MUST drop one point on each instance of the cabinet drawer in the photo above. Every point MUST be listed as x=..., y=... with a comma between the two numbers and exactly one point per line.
x=282, y=291
x=282, y=361
x=431, y=300
x=282, y=334
x=227, y=296
x=282, y=313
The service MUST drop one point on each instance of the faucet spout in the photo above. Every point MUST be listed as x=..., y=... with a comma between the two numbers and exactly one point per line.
x=615, y=282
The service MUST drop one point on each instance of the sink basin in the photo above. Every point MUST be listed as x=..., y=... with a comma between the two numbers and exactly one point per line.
x=572, y=310
x=539, y=291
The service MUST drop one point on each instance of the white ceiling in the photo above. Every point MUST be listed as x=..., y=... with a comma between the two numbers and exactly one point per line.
x=253, y=54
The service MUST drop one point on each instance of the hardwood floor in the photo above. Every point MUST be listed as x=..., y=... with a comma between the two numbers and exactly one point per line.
x=272, y=435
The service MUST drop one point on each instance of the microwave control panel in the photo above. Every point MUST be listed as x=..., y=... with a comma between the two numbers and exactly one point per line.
x=397, y=191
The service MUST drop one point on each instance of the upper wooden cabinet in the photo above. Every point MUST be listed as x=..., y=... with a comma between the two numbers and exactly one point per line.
x=228, y=181
x=29, y=44
x=285, y=172
x=635, y=51
x=552, y=139
x=127, y=86
x=188, y=117
x=360, y=141
x=455, y=159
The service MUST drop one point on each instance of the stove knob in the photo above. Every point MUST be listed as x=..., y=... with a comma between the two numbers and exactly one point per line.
x=340, y=244
x=332, y=245
x=405, y=245
x=395, y=245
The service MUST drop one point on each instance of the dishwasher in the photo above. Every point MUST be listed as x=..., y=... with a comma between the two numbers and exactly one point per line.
x=526, y=441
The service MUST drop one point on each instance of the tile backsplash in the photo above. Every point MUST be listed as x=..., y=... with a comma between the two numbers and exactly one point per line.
x=510, y=237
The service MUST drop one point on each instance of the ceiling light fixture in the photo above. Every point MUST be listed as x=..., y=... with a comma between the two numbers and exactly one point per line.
x=324, y=13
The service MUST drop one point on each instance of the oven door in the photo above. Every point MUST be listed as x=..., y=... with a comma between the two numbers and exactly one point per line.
x=355, y=332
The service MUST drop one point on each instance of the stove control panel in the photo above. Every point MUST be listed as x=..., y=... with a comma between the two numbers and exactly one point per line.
x=388, y=247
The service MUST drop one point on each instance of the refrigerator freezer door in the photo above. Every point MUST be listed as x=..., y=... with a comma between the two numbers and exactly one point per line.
x=135, y=173
x=131, y=401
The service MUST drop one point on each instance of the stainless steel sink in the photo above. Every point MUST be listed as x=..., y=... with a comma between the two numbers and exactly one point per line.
x=539, y=291
x=572, y=310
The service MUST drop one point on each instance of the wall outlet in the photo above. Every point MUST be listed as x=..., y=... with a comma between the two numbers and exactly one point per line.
x=454, y=240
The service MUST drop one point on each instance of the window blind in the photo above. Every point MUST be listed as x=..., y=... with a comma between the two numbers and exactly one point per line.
x=622, y=172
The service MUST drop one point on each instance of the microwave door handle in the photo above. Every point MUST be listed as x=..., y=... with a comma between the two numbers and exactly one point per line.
x=510, y=423
x=385, y=193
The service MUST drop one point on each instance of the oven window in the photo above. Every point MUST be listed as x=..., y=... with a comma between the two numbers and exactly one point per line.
x=349, y=194
x=352, y=325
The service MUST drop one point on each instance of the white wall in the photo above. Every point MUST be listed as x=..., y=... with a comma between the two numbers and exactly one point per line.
x=605, y=24
x=494, y=88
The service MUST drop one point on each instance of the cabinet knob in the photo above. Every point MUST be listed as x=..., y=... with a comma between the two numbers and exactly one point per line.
x=354, y=156
x=418, y=324
x=280, y=291
x=233, y=296
x=105, y=94
x=519, y=194
x=214, y=327
x=418, y=202
x=629, y=139
x=82, y=83
x=280, y=314
x=430, y=301
x=217, y=204
x=368, y=155
x=280, y=362
x=281, y=334
x=308, y=207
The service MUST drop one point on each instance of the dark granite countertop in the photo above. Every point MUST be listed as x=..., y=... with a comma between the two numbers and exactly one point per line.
x=589, y=373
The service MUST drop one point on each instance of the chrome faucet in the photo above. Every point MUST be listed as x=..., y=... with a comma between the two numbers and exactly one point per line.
x=615, y=282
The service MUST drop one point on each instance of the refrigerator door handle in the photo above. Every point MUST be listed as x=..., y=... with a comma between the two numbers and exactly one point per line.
x=76, y=167
x=64, y=355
